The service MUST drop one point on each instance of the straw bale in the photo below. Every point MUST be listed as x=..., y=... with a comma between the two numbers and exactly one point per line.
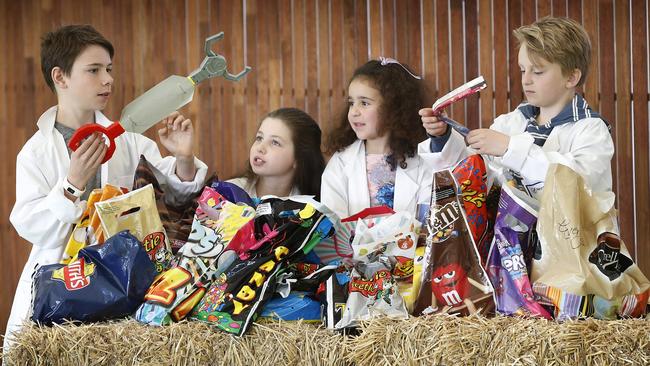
x=433, y=340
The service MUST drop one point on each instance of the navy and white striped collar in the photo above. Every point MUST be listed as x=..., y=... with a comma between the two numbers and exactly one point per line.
x=574, y=111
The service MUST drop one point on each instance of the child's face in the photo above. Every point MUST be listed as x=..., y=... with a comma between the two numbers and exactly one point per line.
x=272, y=153
x=90, y=81
x=363, y=113
x=543, y=83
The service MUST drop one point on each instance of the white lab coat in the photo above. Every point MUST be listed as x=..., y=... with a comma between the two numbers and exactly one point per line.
x=585, y=146
x=43, y=215
x=249, y=186
x=344, y=188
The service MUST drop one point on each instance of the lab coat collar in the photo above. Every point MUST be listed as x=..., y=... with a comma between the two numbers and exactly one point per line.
x=46, y=121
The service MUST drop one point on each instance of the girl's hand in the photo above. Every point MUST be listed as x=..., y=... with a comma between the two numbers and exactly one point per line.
x=177, y=135
x=85, y=161
x=431, y=123
x=486, y=141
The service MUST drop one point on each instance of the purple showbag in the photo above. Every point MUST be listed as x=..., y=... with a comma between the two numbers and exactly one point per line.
x=511, y=254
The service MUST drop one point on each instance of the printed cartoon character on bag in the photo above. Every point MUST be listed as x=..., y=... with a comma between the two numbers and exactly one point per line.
x=449, y=284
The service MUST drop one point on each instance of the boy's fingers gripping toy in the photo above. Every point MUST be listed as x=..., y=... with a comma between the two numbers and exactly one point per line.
x=158, y=102
x=462, y=92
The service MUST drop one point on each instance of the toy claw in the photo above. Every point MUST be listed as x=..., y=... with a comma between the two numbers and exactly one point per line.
x=214, y=64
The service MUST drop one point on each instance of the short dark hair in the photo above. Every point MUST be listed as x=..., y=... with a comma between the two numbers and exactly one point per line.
x=306, y=138
x=402, y=98
x=61, y=47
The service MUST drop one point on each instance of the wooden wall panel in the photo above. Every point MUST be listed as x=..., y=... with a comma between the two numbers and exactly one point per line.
x=303, y=53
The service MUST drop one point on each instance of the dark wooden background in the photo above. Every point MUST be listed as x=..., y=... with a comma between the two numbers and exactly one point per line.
x=302, y=53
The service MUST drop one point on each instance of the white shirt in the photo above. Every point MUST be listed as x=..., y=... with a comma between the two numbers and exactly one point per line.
x=43, y=215
x=344, y=188
x=586, y=146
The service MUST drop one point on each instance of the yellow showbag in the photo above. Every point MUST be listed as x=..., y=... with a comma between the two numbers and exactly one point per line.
x=136, y=211
x=88, y=231
x=581, y=266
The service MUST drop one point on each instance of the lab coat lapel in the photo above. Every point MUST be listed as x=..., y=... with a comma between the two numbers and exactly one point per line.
x=358, y=196
x=406, y=186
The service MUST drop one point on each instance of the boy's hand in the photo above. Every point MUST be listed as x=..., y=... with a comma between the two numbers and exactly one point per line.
x=431, y=123
x=85, y=161
x=486, y=141
x=177, y=135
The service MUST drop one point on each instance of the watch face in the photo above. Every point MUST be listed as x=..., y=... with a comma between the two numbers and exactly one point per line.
x=69, y=189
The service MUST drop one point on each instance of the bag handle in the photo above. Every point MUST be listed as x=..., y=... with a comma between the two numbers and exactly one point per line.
x=370, y=211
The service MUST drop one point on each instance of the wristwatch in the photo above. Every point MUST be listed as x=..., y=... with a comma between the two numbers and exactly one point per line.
x=68, y=187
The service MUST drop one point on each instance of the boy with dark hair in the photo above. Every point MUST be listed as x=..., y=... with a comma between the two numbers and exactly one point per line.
x=52, y=181
x=555, y=125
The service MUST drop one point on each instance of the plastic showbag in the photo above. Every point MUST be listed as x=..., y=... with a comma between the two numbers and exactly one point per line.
x=338, y=247
x=510, y=257
x=372, y=292
x=106, y=282
x=583, y=268
x=282, y=228
x=202, y=258
x=395, y=238
x=232, y=192
x=453, y=279
x=136, y=211
x=88, y=230
x=471, y=176
x=176, y=210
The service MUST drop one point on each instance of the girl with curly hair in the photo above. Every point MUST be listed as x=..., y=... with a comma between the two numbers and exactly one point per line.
x=381, y=153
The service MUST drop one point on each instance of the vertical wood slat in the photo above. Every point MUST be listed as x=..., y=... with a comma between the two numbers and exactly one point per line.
x=501, y=37
x=624, y=134
x=486, y=45
x=457, y=56
x=606, y=74
x=303, y=53
x=472, y=117
x=590, y=22
x=324, y=117
x=640, y=128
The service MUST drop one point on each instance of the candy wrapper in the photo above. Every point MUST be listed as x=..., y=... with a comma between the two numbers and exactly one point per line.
x=582, y=267
x=105, y=282
x=510, y=257
x=176, y=210
x=453, y=279
x=372, y=292
x=471, y=176
x=136, y=211
x=198, y=262
x=282, y=229
x=395, y=238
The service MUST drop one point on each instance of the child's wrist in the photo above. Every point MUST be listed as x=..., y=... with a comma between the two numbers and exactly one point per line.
x=181, y=158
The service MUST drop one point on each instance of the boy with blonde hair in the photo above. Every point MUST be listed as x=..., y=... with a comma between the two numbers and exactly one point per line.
x=554, y=125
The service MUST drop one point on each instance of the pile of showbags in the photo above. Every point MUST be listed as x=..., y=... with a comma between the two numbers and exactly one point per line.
x=225, y=259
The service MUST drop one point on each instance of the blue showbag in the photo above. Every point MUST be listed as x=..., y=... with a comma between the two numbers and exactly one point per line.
x=106, y=282
x=232, y=193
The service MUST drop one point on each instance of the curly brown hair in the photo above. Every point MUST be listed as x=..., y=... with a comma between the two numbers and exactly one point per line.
x=403, y=96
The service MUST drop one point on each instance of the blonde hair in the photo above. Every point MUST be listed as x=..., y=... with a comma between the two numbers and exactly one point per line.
x=558, y=40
